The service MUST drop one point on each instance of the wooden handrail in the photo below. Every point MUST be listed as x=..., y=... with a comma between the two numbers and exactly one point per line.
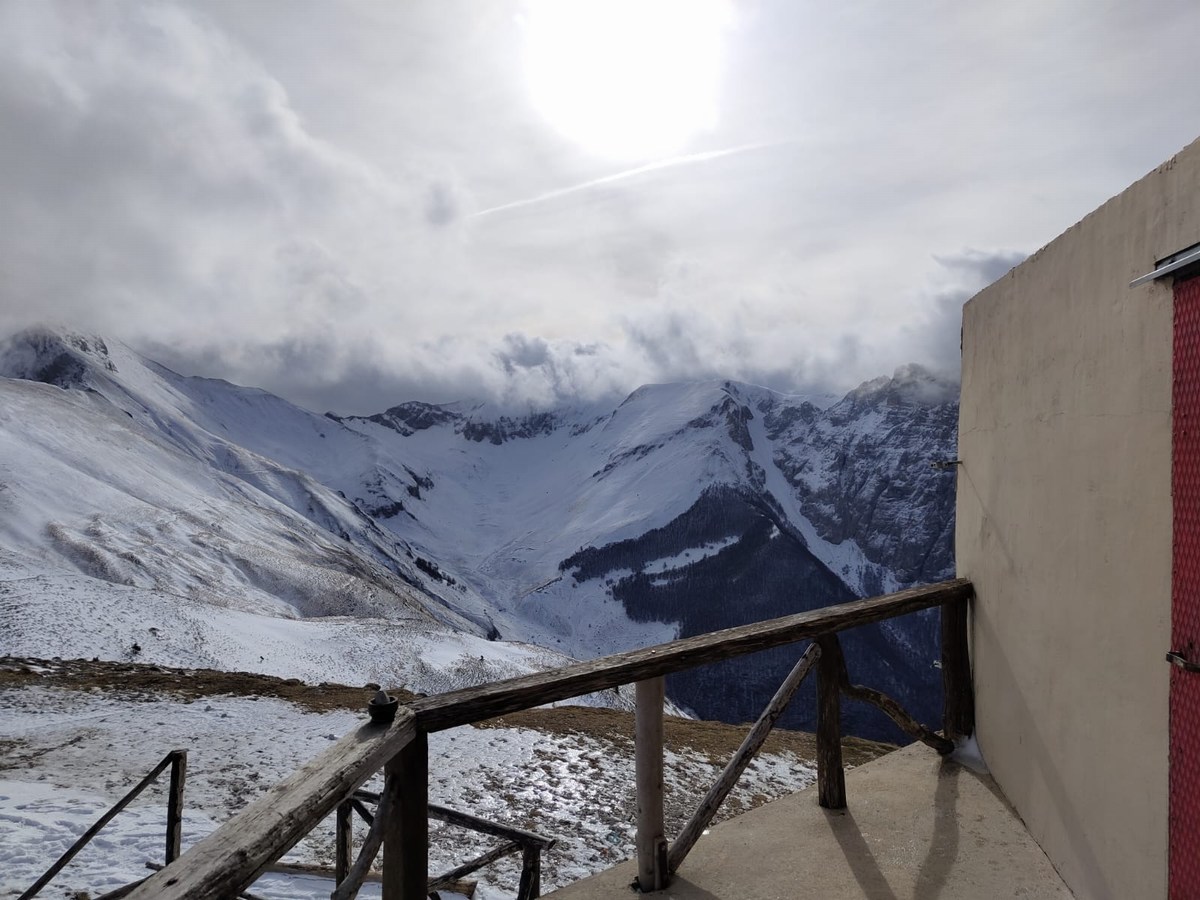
x=499, y=698
x=229, y=859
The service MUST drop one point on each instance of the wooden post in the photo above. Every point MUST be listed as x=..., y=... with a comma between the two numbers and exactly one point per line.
x=958, y=693
x=648, y=759
x=531, y=874
x=343, y=840
x=348, y=887
x=406, y=832
x=175, y=804
x=831, y=779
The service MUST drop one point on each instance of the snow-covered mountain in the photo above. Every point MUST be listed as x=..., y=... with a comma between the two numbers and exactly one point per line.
x=131, y=529
x=688, y=507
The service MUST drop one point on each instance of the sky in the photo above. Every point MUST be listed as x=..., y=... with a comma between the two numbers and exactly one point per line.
x=357, y=203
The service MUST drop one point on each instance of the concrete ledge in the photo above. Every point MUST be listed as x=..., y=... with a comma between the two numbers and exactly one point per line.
x=916, y=827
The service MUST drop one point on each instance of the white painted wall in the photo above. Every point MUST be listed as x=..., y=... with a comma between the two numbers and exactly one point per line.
x=1064, y=525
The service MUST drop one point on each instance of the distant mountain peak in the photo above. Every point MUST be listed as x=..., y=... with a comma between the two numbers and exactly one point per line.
x=53, y=356
x=911, y=384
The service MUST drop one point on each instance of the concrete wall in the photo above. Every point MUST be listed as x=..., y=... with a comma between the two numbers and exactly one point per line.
x=1064, y=525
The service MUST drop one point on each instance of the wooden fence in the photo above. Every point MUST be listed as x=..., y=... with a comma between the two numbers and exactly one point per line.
x=177, y=761
x=229, y=860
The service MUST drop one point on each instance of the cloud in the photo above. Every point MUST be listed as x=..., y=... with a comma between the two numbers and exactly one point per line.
x=300, y=208
x=937, y=337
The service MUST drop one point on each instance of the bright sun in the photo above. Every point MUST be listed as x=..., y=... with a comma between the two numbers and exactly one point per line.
x=627, y=79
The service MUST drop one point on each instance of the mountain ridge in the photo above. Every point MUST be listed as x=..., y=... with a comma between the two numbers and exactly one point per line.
x=787, y=502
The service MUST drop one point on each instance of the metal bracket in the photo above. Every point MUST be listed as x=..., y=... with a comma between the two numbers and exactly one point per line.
x=1176, y=658
x=943, y=465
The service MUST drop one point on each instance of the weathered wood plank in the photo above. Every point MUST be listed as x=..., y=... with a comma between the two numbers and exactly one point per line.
x=484, y=826
x=158, y=867
x=228, y=860
x=485, y=859
x=120, y=892
x=175, y=804
x=530, y=887
x=348, y=887
x=343, y=840
x=958, y=713
x=406, y=829
x=498, y=698
x=86, y=837
x=361, y=808
x=737, y=764
x=899, y=715
x=317, y=872
x=831, y=777
x=648, y=773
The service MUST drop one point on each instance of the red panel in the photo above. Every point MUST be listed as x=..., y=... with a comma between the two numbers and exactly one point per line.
x=1185, y=596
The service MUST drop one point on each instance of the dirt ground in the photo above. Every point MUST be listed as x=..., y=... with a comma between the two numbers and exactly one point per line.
x=133, y=680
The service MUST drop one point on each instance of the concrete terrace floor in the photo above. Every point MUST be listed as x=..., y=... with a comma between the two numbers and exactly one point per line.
x=916, y=828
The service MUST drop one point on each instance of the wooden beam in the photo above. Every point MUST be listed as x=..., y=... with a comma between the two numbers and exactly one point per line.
x=737, y=764
x=470, y=705
x=958, y=711
x=648, y=771
x=279, y=868
x=175, y=804
x=231, y=858
x=361, y=808
x=343, y=840
x=831, y=779
x=899, y=715
x=406, y=830
x=120, y=892
x=484, y=826
x=485, y=859
x=158, y=867
x=530, y=887
x=348, y=887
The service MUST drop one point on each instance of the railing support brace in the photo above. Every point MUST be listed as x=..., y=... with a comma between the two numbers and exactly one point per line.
x=406, y=833
x=958, y=711
x=741, y=759
x=831, y=778
x=648, y=759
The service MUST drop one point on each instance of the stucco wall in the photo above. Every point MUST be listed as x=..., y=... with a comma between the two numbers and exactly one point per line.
x=1064, y=525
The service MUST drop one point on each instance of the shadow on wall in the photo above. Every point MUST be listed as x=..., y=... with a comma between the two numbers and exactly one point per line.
x=1037, y=754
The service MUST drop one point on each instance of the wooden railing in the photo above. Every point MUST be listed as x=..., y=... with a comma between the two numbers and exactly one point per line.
x=350, y=877
x=232, y=857
x=177, y=761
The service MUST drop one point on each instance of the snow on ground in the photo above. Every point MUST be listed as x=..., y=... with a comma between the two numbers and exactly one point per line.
x=65, y=756
x=71, y=615
x=688, y=557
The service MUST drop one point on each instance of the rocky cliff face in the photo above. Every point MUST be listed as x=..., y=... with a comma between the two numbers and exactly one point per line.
x=862, y=471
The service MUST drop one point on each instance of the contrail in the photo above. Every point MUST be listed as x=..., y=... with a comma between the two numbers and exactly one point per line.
x=669, y=163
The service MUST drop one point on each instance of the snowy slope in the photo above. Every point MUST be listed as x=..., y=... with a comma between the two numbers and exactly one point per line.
x=130, y=531
x=584, y=530
x=721, y=491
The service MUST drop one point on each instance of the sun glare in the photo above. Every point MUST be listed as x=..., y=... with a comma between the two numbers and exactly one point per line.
x=626, y=79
